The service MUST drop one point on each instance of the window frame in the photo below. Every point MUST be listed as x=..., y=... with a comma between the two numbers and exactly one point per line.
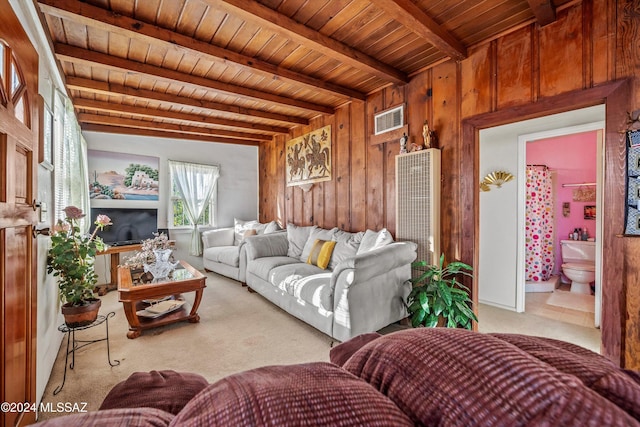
x=213, y=204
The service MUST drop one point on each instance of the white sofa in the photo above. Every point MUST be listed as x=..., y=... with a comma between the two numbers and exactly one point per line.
x=363, y=289
x=223, y=251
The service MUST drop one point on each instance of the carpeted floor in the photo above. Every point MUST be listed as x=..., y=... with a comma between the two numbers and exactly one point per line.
x=581, y=302
x=238, y=330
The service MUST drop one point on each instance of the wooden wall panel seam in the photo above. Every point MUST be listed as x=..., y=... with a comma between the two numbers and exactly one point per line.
x=493, y=58
x=613, y=37
x=349, y=226
x=587, y=43
x=535, y=63
x=461, y=143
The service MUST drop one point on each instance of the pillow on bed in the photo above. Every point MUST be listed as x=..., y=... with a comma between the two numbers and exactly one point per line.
x=166, y=390
x=339, y=354
x=310, y=394
x=472, y=379
x=130, y=417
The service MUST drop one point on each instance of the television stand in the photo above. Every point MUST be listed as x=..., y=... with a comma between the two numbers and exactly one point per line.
x=114, y=252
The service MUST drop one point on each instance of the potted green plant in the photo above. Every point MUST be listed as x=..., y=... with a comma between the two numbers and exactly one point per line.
x=71, y=259
x=438, y=298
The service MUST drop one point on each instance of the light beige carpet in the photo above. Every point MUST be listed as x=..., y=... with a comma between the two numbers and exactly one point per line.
x=574, y=301
x=238, y=330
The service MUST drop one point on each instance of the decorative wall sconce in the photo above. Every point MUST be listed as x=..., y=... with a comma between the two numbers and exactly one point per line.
x=496, y=178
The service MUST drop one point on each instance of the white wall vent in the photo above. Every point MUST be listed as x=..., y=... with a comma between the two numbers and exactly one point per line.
x=389, y=120
x=418, y=202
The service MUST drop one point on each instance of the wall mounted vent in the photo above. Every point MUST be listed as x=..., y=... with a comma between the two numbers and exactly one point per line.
x=418, y=202
x=389, y=120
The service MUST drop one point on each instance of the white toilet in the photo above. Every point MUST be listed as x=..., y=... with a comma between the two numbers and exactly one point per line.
x=579, y=264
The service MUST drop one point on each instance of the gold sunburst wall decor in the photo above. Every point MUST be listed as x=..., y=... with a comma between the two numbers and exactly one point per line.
x=496, y=178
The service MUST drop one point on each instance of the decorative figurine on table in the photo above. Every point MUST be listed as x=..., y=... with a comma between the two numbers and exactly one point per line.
x=403, y=143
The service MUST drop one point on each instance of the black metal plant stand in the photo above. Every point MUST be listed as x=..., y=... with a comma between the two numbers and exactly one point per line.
x=78, y=344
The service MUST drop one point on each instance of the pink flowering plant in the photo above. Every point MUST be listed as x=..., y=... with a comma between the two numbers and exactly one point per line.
x=72, y=255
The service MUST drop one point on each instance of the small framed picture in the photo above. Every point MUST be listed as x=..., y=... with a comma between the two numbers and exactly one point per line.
x=589, y=212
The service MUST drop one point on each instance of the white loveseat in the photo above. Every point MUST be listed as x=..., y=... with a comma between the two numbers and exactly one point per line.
x=363, y=289
x=223, y=251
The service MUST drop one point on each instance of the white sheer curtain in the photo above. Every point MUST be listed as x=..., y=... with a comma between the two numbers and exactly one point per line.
x=195, y=183
x=71, y=176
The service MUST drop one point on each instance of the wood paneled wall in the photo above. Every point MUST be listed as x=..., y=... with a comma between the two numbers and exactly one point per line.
x=533, y=71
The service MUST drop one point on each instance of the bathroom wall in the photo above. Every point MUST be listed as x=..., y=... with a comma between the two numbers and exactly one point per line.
x=573, y=160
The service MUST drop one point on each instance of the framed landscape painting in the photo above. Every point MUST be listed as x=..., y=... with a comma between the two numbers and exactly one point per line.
x=120, y=176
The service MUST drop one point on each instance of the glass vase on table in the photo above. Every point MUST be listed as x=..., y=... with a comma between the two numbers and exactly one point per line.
x=162, y=266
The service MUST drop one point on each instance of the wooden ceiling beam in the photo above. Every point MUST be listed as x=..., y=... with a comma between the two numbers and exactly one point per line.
x=544, y=11
x=224, y=136
x=106, y=20
x=415, y=20
x=77, y=55
x=153, y=113
x=106, y=88
x=91, y=104
x=252, y=11
x=157, y=133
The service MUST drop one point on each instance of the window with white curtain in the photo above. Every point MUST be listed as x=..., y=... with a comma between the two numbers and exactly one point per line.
x=71, y=178
x=177, y=208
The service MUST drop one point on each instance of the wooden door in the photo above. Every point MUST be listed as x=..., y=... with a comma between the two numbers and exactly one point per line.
x=19, y=123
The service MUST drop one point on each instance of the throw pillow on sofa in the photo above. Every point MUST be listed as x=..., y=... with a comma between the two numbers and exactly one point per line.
x=251, y=228
x=373, y=240
x=271, y=227
x=297, y=237
x=314, y=234
x=249, y=232
x=240, y=227
x=321, y=253
x=347, y=245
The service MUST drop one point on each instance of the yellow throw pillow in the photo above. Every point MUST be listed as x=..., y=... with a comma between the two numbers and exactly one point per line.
x=321, y=253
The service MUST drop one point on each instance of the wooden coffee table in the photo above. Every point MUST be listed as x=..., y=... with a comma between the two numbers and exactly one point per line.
x=133, y=296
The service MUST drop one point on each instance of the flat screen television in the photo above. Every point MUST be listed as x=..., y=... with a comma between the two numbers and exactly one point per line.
x=130, y=226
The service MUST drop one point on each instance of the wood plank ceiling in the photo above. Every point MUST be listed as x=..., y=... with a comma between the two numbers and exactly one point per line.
x=241, y=71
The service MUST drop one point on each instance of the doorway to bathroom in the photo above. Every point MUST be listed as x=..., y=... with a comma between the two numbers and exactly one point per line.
x=501, y=241
x=559, y=197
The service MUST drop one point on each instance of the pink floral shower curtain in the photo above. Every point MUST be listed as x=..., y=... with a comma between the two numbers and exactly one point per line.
x=539, y=224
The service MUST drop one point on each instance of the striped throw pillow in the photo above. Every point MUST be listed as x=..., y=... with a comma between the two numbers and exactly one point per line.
x=321, y=253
